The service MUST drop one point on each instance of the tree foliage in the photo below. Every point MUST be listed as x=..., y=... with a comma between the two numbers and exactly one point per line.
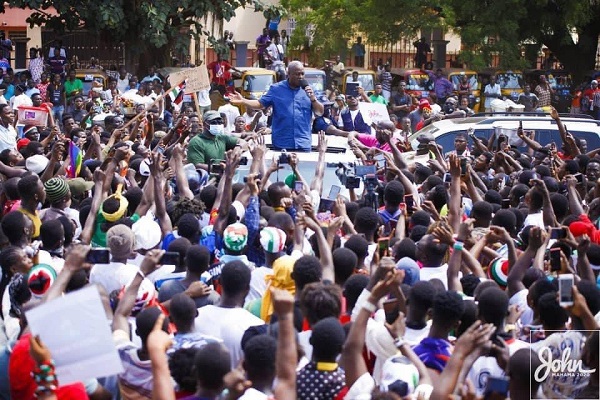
x=146, y=26
x=487, y=28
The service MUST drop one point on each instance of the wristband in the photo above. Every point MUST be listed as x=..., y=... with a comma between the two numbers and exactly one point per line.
x=141, y=273
x=370, y=307
x=399, y=342
x=458, y=246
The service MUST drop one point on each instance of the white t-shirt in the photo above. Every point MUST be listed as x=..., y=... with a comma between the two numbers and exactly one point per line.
x=520, y=298
x=484, y=367
x=227, y=324
x=535, y=219
x=232, y=113
x=113, y=276
x=8, y=137
x=428, y=273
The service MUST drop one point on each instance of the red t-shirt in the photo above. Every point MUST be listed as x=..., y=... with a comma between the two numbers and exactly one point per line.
x=220, y=72
x=22, y=385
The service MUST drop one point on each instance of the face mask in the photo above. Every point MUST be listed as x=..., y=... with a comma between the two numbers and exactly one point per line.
x=216, y=129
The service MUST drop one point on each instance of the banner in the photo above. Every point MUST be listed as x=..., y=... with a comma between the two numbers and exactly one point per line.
x=196, y=79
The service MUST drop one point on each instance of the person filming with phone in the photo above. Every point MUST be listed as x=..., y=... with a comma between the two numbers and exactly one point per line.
x=292, y=109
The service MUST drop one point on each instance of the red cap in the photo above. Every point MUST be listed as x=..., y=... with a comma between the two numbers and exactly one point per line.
x=22, y=143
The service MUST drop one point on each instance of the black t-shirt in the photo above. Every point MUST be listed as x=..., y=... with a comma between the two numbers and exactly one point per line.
x=57, y=64
x=402, y=101
x=55, y=94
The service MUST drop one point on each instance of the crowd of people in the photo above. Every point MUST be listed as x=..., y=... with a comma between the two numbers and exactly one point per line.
x=458, y=279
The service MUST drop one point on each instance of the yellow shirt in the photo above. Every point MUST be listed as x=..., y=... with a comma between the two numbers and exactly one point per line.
x=35, y=218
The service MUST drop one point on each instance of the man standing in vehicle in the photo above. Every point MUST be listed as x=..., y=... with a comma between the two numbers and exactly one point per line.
x=491, y=92
x=544, y=92
x=292, y=109
x=528, y=99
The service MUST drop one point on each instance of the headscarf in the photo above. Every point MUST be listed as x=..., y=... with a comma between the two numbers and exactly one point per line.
x=123, y=204
x=281, y=278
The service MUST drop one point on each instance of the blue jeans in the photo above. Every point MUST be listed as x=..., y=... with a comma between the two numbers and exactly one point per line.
x=57, y=113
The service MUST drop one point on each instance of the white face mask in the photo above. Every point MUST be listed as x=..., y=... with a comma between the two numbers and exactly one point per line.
x=216, y=129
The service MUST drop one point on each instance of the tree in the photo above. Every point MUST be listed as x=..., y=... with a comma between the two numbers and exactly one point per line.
x=333, y=23
x=150, y=29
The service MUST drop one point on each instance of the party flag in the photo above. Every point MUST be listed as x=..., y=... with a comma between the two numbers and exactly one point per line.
x=76, y=160
x=176, y=94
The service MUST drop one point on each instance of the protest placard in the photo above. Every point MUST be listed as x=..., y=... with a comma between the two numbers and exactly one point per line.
x=374, y=112
x=196, y=79
x=75, y=329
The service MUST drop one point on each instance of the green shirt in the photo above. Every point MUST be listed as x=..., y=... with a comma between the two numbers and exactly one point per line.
x=378, y=99
x=202, y=149
x=99, y=237
x=72, y=87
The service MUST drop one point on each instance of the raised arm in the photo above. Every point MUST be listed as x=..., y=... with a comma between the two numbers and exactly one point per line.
x=517, y=271
x=454, y=206
x=159, y=198
x=317, y=182
x=324, y=249
x=99, y=196
x=176, y=164
x=237, y=99
x=232, y=161
x=287, y=354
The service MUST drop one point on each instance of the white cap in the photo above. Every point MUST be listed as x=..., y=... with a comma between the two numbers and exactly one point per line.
x=37, y=163
x=147, y=233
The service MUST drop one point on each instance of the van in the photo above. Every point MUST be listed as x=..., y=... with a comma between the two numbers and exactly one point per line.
x=418, y=82
x=456, y=78
x=366, y=77
x=88, y=76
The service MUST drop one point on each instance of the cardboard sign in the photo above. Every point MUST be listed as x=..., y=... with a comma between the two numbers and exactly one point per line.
x=374, y=112
x=75, y=329
x=197, y=79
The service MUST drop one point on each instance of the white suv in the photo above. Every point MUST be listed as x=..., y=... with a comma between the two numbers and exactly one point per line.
x=546, y=130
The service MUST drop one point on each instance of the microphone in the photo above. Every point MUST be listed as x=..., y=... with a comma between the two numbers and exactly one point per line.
x=303, y=83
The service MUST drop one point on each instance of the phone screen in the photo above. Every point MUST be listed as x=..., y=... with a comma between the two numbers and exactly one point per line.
x=555, y=260
x=496, y=387
x=98, y=256
x=558, y=233
x=410, y=203
x=565, y=286
x=392, y=310
x=383, y=246
x=447, y=178
x=170, y=258
x=352, y=89
x=298, y=186
x=326, y=205
x=463, y=166
x=334, y=192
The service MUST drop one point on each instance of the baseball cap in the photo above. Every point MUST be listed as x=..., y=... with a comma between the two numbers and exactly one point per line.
x=211, y=115
x=147, y=233
x=79, y=186
x=37, y=163
x=411, y=270
x=424, y=103
x=22, y=143
x=235, y=237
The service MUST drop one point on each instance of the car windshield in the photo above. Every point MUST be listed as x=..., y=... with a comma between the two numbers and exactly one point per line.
x=366, y=81
x=316, y=81
x=510, y=80
x=419, y=82
x=471, y=78
x=257, y=83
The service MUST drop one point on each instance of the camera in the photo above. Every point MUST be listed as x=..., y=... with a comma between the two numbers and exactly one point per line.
x=244, y=160
x=347, y=177
x=284, y=158
x=258, y=178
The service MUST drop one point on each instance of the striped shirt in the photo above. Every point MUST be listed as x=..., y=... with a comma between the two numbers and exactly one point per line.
x=135, y=382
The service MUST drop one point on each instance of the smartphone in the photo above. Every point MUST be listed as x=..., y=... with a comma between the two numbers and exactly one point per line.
x=463, y=166
x=392, y=310
x=334, y=192
x=579, y=177
x=98, y=256
x=352, y=89
x=521, y=125
x=505, y=203
x=326, y=205
x=362, y=170
x=410, y=203
x=565, y=289
x=170, y=258
x=298, y=186
x=447, y=178
x=383, y=246
x=496, y=387
x=555, y=260
x=558, y=233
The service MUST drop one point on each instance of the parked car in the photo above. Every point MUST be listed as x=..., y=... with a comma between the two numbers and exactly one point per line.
x=475, y=96
x=546, y=130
